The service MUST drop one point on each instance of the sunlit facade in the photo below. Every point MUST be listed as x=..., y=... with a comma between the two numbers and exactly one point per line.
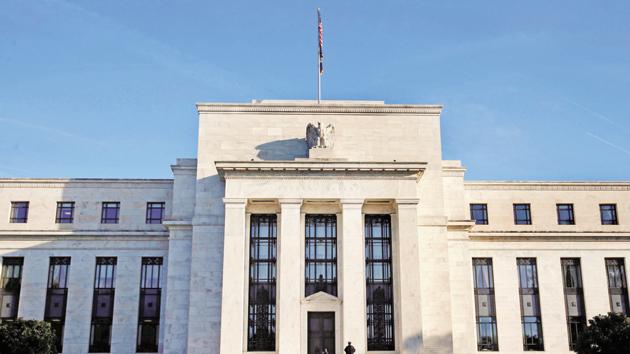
x=300, y=227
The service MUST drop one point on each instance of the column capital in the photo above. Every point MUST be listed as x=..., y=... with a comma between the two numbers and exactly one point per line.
x=351, y=202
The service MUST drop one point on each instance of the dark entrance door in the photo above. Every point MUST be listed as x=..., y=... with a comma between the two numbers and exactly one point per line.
x=321, y=332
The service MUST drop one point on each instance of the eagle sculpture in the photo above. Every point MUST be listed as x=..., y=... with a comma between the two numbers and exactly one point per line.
x=318, y=137
x=313, y=134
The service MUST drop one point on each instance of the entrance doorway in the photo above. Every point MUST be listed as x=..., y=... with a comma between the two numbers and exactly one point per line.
x=321, y=332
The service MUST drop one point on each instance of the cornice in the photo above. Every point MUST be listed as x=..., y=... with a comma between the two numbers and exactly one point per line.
x=536, y=235
x=450, y=171
x=551, y=186
x=460, y=225
x=324, y=108
x=318, y=169
x=114, y=234
x=84, y=183
x=177, y=224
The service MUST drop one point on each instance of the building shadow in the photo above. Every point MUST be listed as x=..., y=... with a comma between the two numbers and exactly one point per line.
x=287, y=149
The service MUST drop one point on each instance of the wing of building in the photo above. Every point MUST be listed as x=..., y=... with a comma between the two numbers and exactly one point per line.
x=265, y=243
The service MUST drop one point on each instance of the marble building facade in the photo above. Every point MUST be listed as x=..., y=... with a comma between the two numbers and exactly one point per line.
x=288, y=236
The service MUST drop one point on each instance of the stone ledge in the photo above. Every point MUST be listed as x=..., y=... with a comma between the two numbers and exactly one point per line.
x=297, y=107
x=86, y=183
x=595, y=236
x=229, y=169
x=82, y=233
x=553, y=186
x=460, y=225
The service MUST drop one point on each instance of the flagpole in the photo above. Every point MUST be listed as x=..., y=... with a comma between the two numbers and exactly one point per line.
x=319, y=82
x=319, y=61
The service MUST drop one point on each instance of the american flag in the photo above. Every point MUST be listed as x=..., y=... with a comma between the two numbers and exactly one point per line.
x=320, y=30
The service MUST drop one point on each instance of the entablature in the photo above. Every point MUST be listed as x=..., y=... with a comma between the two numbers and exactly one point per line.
x=312, y=168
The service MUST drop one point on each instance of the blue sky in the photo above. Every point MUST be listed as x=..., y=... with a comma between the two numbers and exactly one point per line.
x=532, y=89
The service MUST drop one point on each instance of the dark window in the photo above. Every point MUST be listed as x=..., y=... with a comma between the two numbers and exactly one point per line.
x=150, y=302
x=11, y=283
x=57, y=297
x=487, y=339
x=617, y=285
x=379, y=282
x=530, y=304
x=565, y=214
x=608, y=213
x=155, y=213
x=261, y=315
x=573, y=299
x=522, y=214
x=479, y=213
x=65, y=213
x=103, y=305
x=19, y=212
x=321, y=254
x=109, y=212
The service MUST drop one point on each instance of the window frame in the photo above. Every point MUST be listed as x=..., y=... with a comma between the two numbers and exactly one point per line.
x=16, y=286
x=621, y=290
x=484, y=210
x=527, y=322
x=59, y=219
x=268, y=240
x=570, y=209
x=150, y=287
x=490, y=292
x=103, y=288
x=13, y=218
x=613, y=211
x=575, y=324
x=387, y=342
x=107, y=206
x=330, y=283
x=150, y=207
x=527, y=209
x=57, y=290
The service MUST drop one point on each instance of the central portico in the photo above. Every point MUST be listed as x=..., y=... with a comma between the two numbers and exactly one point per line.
x=321, y=209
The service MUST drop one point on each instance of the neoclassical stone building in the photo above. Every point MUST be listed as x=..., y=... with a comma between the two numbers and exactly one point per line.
x=288, y=236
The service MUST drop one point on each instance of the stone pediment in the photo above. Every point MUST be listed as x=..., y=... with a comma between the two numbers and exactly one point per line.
x=321, y=297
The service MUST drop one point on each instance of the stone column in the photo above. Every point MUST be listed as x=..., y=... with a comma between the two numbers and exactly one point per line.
x=34, y=283
x=290, y=277
x=353, y=321
x=126, y=300
x=177, y=290
x=408, y=273
x=233, y=296
x=76, y=336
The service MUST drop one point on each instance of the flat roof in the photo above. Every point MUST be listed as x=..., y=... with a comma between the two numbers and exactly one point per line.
x=324, y=106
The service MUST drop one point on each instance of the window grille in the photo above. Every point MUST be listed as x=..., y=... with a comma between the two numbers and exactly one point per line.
x=150, y=302
x=530, y=305
x=486, y=318
x=57, y=297
x=379, y=282
x=261, y=318
x=103, y=305
x=573, y=299
x=321, y=254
